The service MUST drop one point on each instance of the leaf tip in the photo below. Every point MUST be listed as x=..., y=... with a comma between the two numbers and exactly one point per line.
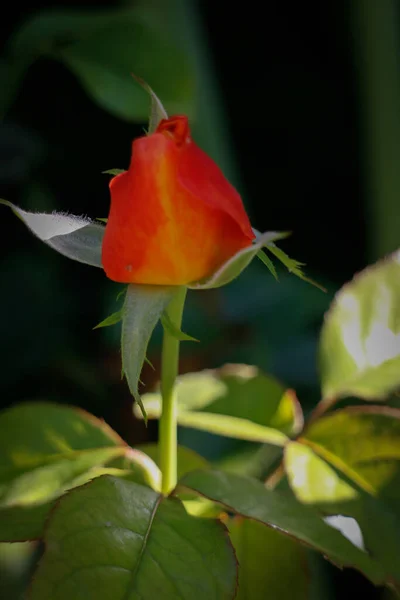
x=139, y=401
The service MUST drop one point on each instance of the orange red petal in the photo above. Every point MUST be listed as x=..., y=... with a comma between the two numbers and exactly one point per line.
x=174, y=218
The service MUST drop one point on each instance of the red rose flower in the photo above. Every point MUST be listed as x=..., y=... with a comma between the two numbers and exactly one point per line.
x=174, y=218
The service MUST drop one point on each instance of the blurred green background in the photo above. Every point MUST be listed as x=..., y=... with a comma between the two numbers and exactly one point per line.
x=299, y=103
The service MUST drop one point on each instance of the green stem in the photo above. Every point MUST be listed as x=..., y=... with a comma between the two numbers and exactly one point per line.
x=167, y=443
x=376, y=51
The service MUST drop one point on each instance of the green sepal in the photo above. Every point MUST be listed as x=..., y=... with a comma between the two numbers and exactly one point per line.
x=265, y=259
x=173, y=330
x=143, y=307
x=292, y=265
x=113, y=172
x=113, y=319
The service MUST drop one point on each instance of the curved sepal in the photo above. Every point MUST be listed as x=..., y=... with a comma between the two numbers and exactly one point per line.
x=235, y=265
x=157, y=111
x=78, y=238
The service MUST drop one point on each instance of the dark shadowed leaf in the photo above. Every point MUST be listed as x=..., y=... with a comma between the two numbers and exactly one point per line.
x=270, y=564
x=102, y=48
x=20, y=523
x=250, y=498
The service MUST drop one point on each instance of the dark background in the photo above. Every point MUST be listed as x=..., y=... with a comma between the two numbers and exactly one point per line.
x=290, y=83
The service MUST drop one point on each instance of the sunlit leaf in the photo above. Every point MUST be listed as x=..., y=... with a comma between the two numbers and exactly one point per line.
x=143, y=307
x=116, y=539
x=250, y=498
x=78, y=238
x=348, y=463
x=237, y=400
x=43, y=447
x=360, y=340
x=234, y=427
x=188, y=460
x=46, y=449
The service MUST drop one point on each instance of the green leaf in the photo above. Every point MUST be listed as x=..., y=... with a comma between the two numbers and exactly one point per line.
x=136, y=466
x=143, y=307
x=78, y=238
x=348, y=463
x=173, y=330
x=110, y=320
x=265, y=259
x=360, y=339
x=116, y=539
x=286, y=566
x=194, y=391
x=46, y=449
x=103, y=47
x=292, y=265
x=21, y=523
x=233, y=427
x=235, y=265
x=103, y=63
x=251, y=394
x=250, y=498
x=236, y=401
x=113, y=172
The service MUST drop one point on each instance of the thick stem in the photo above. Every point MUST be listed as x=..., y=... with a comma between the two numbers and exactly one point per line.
x=167, y=443
x=376, y=50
